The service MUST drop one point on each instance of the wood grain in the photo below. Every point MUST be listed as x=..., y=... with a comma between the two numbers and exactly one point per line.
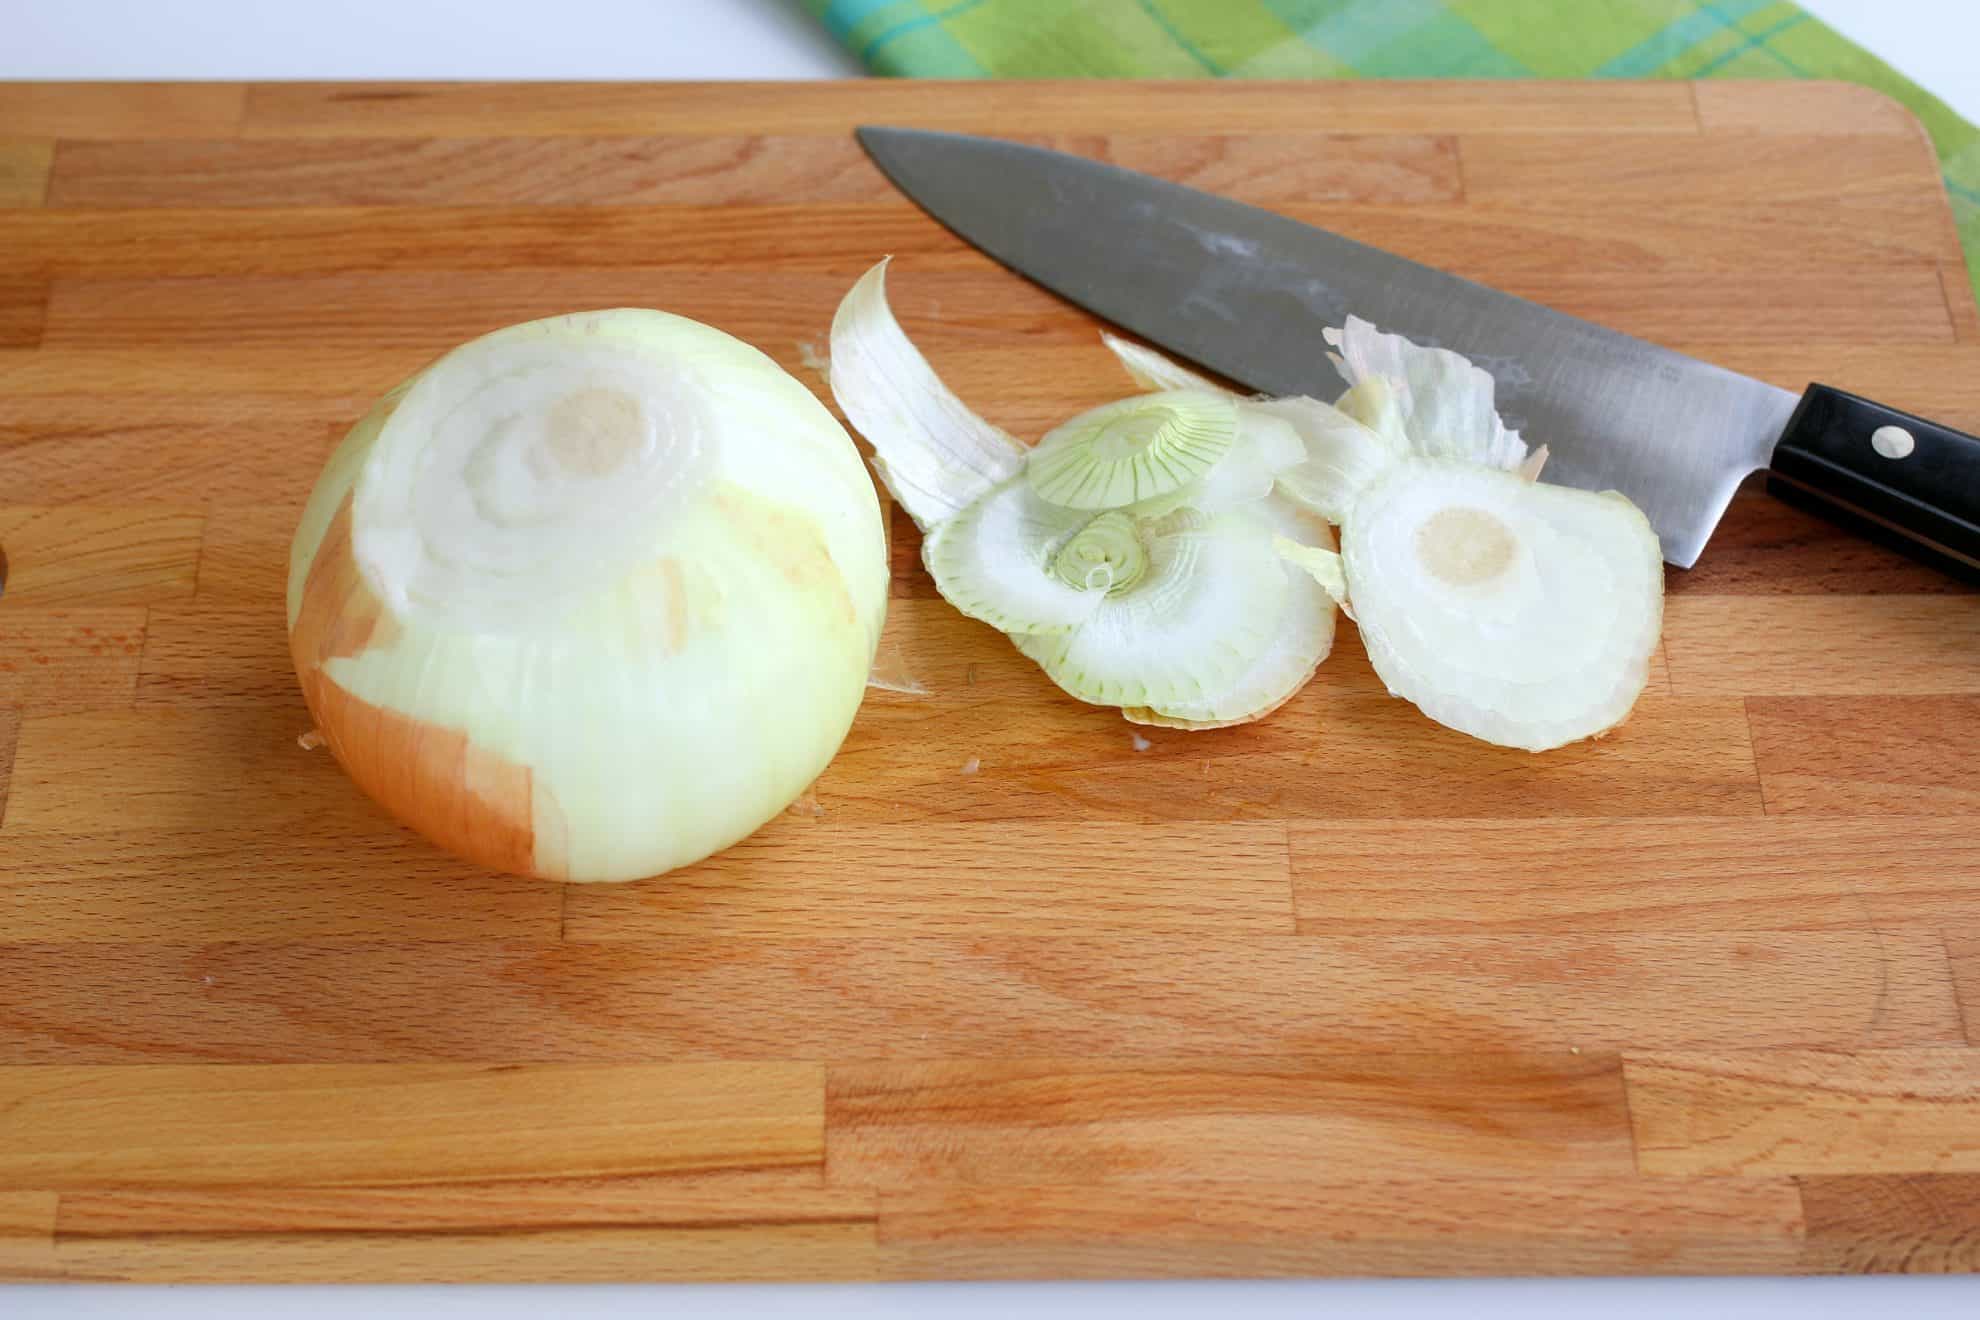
x=178, y=769
x=664, y=168
x=24, y=166
x=1879, y=755
x=1892, y=1223
x=1187, y=108
x=431, y=313
x=327, y=1124
x=23, y=311
x=690, y=997
x=54, y=660
x=120, y=110
x=1767, y=547
x=57, y=449
x=1895, y=304
x=1815, y=872
x=1018, y=1121
x=1341, y=992
x=1440, y=1224
x=1594, y=232
x=10, y=728
x=1852, y=170
x=285, y=238
x=1854, y=646
x=1933, y=377
x=296, y=240
x=27, y=1234
x=789, y=1194
x=1963, y=950
x=775, y=1252
x=1815, y=106
x=352, y=879
x=393, y=172
x=1806, y=1112
x=1331, y=751
x=799, y=878
x=223, y=655
x=1324, y=754
x=1958, y=284
x=673, y=1226
x=68, y=555
x=340, y=380
x=243, y=568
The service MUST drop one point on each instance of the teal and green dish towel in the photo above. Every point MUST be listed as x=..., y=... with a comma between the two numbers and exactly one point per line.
x=1391, y=39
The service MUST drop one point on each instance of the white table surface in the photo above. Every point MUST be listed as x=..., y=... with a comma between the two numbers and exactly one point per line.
x=1934, y=41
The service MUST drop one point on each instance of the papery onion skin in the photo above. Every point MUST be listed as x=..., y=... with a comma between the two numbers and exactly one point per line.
x=662, y=717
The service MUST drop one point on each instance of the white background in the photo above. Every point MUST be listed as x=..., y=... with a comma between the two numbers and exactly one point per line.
x=1937, y=42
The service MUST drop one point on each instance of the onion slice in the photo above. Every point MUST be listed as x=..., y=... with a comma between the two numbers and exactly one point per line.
x=1343, y=455
x=994, y=561
x=1266, y=449
x=1517, y=612
x=1445, y=400
x=1171, y=554
x=1304, y=637
x=935, y=455
x=1134, y=450
x=1197, y=600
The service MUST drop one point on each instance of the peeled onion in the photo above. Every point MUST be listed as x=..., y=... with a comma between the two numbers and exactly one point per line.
x=589, y=598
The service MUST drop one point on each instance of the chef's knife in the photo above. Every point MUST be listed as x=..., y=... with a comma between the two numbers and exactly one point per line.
x=1246, y=293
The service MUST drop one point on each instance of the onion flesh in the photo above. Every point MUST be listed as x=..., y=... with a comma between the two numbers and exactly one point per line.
x=1194, y=583
x=1517, y=612
x=1134, y=559
x=589, y=598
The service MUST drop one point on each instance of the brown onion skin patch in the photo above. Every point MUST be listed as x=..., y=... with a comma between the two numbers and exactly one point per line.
x=339, y=616
x=461, y=797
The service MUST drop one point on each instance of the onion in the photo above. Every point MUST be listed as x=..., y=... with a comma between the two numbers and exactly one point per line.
x=1132, y=555
x=1520, y=613
x=1173, y=555
x=589, y=598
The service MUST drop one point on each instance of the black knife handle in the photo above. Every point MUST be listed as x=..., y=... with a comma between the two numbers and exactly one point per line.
x=1899, y=479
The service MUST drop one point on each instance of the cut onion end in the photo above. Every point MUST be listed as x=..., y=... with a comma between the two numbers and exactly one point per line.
x=1206, y=605
x=1007, y=560
x=1133, y=450
x=527, y=470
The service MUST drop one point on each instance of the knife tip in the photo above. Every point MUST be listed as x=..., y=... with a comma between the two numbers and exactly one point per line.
x=884, y=143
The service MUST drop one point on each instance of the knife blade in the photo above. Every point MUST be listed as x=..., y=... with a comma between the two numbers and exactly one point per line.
x=1246, y=293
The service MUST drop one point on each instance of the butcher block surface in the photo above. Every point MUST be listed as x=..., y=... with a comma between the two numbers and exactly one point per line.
x=1012, y=993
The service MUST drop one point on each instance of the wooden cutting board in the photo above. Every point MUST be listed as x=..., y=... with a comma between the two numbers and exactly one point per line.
x=1339, y=993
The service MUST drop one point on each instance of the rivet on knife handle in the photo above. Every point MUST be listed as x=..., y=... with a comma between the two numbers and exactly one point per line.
x=1902, y=480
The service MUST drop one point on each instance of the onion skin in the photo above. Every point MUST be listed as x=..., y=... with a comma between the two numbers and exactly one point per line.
x=676, y=712
x=468, y=801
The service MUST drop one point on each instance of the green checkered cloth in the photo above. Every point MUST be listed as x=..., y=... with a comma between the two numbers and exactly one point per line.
x=1391, y=39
